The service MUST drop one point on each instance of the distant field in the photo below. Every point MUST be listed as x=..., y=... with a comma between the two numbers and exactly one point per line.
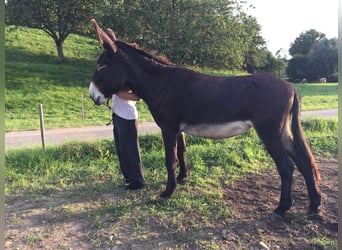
x=33, y=76
x=318, y=96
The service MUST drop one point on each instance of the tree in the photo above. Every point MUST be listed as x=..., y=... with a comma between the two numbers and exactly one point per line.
x=57, y=18
x=306, y=40
x=317, y=60
x=206, y=33
x=255, y=52
x=323, y=58
x=297, y=68
x=263, y=60
x=280, y=61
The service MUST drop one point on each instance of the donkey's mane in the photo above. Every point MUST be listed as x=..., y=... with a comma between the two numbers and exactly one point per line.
x=146, y=53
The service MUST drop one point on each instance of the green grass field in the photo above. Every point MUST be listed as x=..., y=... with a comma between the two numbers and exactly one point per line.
x=317, y=96
x=34, y=76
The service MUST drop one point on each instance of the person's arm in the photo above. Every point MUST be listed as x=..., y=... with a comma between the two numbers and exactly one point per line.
x=128, y=95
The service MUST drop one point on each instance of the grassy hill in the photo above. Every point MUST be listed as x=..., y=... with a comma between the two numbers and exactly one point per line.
x=34, y=75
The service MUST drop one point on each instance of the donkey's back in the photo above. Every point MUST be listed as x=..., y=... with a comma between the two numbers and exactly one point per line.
x=221, y=107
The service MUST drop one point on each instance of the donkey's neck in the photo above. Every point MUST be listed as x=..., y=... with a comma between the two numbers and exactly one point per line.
x=149, y=77
x=150, y=81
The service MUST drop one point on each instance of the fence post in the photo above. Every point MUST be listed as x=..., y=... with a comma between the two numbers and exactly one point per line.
x=82, y=103
x=41, y=118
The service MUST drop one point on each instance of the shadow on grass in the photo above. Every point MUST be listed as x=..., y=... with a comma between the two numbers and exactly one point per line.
x=25, y=66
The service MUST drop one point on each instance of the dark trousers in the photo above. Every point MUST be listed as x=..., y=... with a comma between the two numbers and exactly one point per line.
x=128, y=149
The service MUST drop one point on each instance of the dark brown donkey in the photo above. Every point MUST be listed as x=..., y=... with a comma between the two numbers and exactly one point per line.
x=182, y=100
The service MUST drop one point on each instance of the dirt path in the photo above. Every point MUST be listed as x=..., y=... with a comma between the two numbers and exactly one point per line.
x=31, y=222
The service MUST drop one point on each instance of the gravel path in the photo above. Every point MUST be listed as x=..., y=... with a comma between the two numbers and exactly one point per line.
x=57, y=136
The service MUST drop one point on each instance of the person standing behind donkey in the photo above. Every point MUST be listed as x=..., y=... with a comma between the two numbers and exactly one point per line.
x=125, y=123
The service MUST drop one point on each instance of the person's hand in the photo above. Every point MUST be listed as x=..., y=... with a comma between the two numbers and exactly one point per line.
x=128, y=95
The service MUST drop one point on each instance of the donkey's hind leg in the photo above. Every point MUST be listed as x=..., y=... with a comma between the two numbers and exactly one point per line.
x=272, y=141
x=181, y=153
x=300, y=153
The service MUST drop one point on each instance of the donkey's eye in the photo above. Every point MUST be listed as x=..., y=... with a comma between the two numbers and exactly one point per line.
x=99, y=67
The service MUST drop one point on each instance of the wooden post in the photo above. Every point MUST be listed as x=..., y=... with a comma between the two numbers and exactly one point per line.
x=82, y=103
x=41, y=118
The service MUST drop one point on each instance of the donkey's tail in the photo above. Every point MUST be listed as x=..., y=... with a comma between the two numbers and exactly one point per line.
x=300, y=143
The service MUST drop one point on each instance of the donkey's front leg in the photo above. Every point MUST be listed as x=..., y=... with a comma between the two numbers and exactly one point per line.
x=171, y=161
x=181, y=153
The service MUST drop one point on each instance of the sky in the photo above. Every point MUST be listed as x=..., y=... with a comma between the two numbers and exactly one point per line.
x=282, y=21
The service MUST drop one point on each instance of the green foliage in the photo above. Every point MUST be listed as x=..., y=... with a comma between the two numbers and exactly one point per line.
x=298, y=67
x=304, y=43
x=263, y=60
x=323, y=58
x=314, y=56
x=206, y=33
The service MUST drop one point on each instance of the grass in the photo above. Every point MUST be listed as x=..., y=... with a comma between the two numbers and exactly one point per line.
x=33, y=76
x=79, y=175
x=325, y=243
x=75, y=165
x=318, y=96
x=79, y=170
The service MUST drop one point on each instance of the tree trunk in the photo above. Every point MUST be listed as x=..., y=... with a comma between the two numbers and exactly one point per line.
x=60, y=53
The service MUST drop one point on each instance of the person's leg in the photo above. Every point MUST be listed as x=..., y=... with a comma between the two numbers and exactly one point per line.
x=130, y=152
x=116, y=129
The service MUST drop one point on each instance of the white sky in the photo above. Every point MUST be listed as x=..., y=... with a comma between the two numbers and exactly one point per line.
x=282, y=21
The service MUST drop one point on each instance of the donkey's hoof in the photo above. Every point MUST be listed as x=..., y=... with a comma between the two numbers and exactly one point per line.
x=165, y=195
x=181, y=180
x=161, y=201
x=315, y=215
x=277, y=217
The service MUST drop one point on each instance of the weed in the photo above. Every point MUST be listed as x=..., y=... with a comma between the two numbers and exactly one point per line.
x=325, y=243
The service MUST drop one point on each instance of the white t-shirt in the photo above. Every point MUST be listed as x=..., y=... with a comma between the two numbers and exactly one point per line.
x=124, y=108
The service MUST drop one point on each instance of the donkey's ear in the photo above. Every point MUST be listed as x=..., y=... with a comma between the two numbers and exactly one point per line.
x=111, y=34
x=104, y=39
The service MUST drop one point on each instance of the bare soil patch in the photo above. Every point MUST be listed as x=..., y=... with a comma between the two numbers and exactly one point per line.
x=254, y=196
x=62, y=220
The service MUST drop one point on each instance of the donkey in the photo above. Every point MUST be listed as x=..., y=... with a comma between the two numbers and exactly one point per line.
x=181, y=100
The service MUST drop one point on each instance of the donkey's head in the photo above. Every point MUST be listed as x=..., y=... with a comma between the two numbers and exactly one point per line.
x=109, y=76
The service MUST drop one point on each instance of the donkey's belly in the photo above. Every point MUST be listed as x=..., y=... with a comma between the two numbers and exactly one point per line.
x=217, y=131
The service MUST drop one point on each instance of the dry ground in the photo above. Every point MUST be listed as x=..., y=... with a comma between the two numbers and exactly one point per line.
x=32, y=221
